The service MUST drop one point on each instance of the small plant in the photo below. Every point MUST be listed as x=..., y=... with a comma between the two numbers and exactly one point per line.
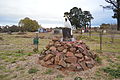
x=48, y=71
x=58, y=79
x=28, y=54
x=32, y=70
x=60, y=76
x=98, y=59
x=35, y=50
x=118, y=57
x=20, y=51
x=78, y=78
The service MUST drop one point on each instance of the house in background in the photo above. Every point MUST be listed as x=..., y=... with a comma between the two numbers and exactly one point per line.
x=42, y=30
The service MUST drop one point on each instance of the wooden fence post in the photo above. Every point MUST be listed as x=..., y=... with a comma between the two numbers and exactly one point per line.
x=101, y=33
x=112, y=36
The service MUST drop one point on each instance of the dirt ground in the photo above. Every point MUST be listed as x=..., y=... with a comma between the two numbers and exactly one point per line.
x=19, y=62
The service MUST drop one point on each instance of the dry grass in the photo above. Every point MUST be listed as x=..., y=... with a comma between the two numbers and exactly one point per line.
x=19, y=62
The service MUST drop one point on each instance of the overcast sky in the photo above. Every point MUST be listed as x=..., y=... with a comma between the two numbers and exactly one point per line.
x=49, y=13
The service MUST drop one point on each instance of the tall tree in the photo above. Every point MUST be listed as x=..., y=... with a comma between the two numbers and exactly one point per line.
x=28, y=24
x=79, y=18
x=87, y=19
x=116, y=8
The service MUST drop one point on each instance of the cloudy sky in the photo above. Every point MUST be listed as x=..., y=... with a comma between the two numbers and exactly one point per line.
x=49, y=13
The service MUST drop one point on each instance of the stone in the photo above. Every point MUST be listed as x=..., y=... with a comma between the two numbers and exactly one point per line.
x=48, y=62
x=51, y=43
x=57, y=44
x=52, y=60
x=69, y=44
x=55, y=39
x=53, y=48
x=69, y=54
x=47, y=52
x=72, y=49
x=83, y=65
x=41, y=57
x=79, y=68
x=89, y=64
x=77, y=51
x=87, y=58
x=65, y=51
x=62, y=63
x=72, y=67
x=71, y=59
x=87, y=47
x=80, y=48
x=42, y=62
x=60, y=49
x=57, y=59
x=47, y=57
x=80, y=60
x=65, y=46
x=66, y=55
x=79, y=55
x=47, y=47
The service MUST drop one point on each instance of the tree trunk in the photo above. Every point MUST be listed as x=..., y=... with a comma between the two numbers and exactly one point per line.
x=118, y=22
x=118, y=15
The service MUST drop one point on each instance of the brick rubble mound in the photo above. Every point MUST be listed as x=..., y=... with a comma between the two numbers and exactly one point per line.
x=72, y=56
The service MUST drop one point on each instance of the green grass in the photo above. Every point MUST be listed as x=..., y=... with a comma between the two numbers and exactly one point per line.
x=107, y=46
x=115, y=73
x=3, y=76
x=48, y=71
x=32, y=70
x=98, y=59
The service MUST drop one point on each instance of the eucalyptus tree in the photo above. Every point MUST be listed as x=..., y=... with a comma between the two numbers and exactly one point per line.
x=87, y=19
x=79, y=18
x=28, y=24
x=115, y=6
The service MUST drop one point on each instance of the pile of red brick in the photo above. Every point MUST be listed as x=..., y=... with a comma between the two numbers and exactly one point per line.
x=73, y=55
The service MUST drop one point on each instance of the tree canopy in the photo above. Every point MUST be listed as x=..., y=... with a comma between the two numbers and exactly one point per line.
x=28, y=24
x=116, y=9
x=79, y=18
